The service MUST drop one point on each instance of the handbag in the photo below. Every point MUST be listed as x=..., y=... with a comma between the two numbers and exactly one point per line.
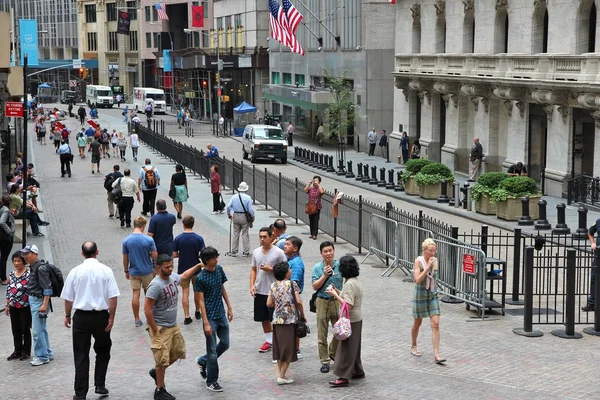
x=117, y=193
x=301, y=327
x=222, y=204
x=71, y=156
x=311, y=208
x=342, y=329
x=172, y=192
x=249, y=217
x=312, y=304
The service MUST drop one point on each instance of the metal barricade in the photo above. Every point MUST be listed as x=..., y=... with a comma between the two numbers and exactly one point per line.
x=383, y=241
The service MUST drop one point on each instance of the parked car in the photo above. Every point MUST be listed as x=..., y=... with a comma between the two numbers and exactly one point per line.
x=264, y=141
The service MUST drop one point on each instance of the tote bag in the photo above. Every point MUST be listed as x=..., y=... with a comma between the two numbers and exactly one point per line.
x=342, y=329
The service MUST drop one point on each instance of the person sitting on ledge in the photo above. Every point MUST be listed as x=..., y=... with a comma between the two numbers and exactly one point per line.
x=517, y=169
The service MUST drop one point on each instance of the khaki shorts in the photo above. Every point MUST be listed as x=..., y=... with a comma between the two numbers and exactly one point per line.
x=167, y=346
x=138, y=282
x=185, y=283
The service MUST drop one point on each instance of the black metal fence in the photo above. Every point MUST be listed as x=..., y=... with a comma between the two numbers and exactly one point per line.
x=583, y=189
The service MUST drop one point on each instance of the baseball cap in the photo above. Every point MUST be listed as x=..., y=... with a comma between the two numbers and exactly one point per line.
x=32, y=248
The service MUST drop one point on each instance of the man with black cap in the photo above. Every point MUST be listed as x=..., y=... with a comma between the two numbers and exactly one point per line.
x=40, y=290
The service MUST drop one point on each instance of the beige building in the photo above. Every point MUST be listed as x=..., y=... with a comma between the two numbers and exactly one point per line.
x=117, y=55
x=522, y=75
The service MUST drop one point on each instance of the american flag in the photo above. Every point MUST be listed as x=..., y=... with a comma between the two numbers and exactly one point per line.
x=162, y=11
x=276, y=16
x=293, y=15
x=392, y=1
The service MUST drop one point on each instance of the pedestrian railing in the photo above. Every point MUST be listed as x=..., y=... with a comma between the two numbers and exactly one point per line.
x=583, y=189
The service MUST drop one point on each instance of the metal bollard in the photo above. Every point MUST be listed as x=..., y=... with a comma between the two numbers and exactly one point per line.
x=444, y=192
x=581, y=233
x=381, y=182
x=457, y=191
x=525, y=217
x=571, y=278
x=542, y=223
x=358, y=143
x=561, y=227
x=349, y=174
x=366, y=178
x=390, y=184
x=330, y=166
x=304, y=156
x=465, y=196
x=296, y=150
x=341, y=170
x=527, y=329
x=373, y=180
x=320, y=161
x=359, y=175
x=399, y=186
x=311, y=158
x=452, y=200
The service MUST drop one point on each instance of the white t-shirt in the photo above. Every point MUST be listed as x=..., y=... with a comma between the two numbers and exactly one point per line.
x=90, y=285
x=135, y=140
x=264, y=279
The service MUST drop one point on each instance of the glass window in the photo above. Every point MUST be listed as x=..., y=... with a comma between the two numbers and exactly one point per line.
x=132, y=9
x=90, y=13
x=111, y=11
x=133, y=41
x=219, y=22
x=148, y=12
x=154, y=14
x=205, y=39
x=275, y=78
x=148, y=40
x=205, y=8
x=287, y=78
x=155, y=37
x=92, y=42
x=227, y=22
x=300, y=79
x=113, y=41
x=237, y=20
x=196, y=39
x=268, y=133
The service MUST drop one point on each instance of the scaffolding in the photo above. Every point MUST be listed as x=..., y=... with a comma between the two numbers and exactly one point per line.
x=191, y=90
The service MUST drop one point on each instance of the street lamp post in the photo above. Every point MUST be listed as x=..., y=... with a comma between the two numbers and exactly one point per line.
x=25, y=170
x=172, y=69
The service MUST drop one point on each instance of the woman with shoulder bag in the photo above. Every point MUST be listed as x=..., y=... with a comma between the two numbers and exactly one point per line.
x=7, y=233
x=179, y=189
x=348, y=364
x=313, y=206
x=285, y=298
x=415, y=152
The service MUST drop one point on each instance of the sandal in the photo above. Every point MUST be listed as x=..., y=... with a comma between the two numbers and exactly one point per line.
x=414, y=351
x=439, y=360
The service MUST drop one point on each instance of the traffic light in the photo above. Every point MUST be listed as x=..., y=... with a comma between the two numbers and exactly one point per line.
x=217, y=78
x=81, y=72
x=204, y=84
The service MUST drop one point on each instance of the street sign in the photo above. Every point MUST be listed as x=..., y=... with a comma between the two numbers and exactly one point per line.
x=219, y=92
x=469, y=264
x=77, y=63
x=13, y=109
x=72, y=83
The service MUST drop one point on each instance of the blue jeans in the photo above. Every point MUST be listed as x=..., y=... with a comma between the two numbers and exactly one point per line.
x=220, y=328
x=41, y=343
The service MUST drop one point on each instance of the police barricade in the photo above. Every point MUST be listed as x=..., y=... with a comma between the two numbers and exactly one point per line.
x=462, y=272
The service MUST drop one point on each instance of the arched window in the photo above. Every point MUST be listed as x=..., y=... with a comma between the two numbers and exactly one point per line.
x=501, y=32
x=540, y=29
x=440, y=35
x=469, y=32
x=586, y=31
x=416, y=36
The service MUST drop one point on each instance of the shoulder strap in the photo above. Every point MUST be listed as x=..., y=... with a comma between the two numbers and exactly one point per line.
x=242, y=202
x=294, y=301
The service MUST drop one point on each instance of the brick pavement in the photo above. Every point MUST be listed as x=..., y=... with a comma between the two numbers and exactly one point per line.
x=486, y=360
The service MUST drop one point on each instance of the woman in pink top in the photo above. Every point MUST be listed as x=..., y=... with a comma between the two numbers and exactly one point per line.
x=215, y=189
x=315, y=191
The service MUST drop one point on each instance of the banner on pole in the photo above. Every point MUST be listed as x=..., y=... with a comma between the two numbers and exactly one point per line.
x=123, y=23
x=168, y=61
x=28, y=35
x=197, y=16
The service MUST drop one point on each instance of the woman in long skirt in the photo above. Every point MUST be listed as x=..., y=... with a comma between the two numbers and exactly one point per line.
x=179, y=189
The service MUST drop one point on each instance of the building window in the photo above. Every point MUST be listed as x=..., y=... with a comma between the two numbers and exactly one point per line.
x=156, y=38
x=205, y=39
x=113, y=41
x=287, y=78
x=148, y=40
x=416, y=35
x=440, y=34
x=220, y=23
x=237, y=20
x=275, y=78
x=90, y=13
x=92, y=41
x=300, y=79
x=132, y=9
x=154, y=14
x=501, y=32
x=196, y=39
x=111, y=11
x=468, y=33
x=148, y=13
x=205, y=8
x=133, y=41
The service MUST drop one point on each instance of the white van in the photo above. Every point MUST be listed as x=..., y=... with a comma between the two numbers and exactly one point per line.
x=264, y=141
x=100, y=96
x=141, y=97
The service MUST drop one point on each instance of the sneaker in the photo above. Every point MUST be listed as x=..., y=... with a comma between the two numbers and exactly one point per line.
x=111, y=215
x=214, y=212
x=102, y=390
x=39, y=234
x=233, y=254
x=50, y=358
x=215, y=387
x=324, y=368
x=266, y=347
x=138, y=323
x=274, y=362
x=13, y=356
x=24, y=356
x=162, y=394
x=299, y=354
x=202, y=368
x=246, y=254
x=198, y=315
x=588, y=308
x=37, y=361
x=283, y=381
x=187, y=321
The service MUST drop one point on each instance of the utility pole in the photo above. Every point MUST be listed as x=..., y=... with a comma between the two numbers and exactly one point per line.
x=25, y=161
x=219, y=69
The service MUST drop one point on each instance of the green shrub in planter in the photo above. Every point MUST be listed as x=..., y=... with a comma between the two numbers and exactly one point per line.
x=433, y=173
x=515, y=186
x=413, y=167
x=487, y=183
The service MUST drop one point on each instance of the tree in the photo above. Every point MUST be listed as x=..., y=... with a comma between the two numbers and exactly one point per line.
x=340, y=110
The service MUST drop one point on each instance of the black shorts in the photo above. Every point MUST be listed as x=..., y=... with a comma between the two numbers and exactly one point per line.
x=261, y=311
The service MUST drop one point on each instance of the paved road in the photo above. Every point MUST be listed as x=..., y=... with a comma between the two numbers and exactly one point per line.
x=486, y=360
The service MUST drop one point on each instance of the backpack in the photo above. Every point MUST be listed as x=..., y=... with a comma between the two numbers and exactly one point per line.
x=42, y=129
x=64, y=134
x=150, y=178
x=56, y=278
x=110, y=179
x=117, y=192
x=104, y=137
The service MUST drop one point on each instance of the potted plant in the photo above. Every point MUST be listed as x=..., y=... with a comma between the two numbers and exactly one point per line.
x=508, y=197
x=482, y=190
x=429, y=180
x=413, y=167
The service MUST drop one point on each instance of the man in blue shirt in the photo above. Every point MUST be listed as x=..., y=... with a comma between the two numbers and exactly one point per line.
x=89, y=135
x=212, y=151
x=210, y=285
x=138, y=252
x=326, y=273
x=64, y=152
x=161, y=228
x=291, y=248
x=236, y=211
x=187, y=247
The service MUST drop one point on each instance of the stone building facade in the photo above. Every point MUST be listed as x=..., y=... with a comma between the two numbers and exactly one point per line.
x=521, y=75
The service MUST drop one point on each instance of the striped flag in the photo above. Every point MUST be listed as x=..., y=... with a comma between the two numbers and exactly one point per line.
x=276, y=15
x=293, y=16
x=161, y=8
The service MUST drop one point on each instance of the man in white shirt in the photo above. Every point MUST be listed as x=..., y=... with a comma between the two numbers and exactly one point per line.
x=221, y=126
x=90, y=289
x=372, y=136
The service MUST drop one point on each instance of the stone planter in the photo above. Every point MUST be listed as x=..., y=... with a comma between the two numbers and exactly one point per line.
x=484, y=206
x=410, y=187
x=430, y=192
x=510, y=210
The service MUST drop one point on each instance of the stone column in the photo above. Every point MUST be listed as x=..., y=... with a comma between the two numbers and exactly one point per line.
x=559, y=149
x=448, y=151
x=102, y=41
x=430, y=128
x=596, y=116
x=517, y=132
x=401, y=117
